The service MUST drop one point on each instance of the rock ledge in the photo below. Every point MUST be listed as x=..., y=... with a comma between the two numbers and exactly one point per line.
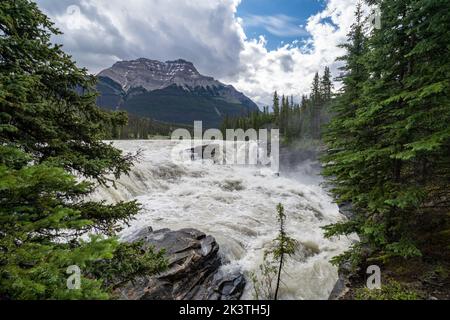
x=194, y=271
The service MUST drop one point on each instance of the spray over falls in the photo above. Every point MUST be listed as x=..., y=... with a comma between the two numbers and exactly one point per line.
x=236, y=205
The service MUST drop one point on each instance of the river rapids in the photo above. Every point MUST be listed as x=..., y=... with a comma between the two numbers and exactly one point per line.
x=237, y=205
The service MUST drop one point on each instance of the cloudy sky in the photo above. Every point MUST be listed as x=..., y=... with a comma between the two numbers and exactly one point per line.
x=256, y=45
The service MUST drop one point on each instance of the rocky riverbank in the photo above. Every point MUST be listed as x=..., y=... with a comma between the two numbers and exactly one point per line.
x=194, y=271
x=401, y=279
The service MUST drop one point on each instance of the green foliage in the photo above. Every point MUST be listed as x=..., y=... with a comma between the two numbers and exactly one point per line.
x=50, y=139
x=388, y=142
x=390, y=291
x=296, y=122
x=276, y=105
x=37, y=270
x=265, y=282
x=130, y=260
x=255, y=120
x=143, y=128
x=284, y=245
x=267, y=285
x=174, y=104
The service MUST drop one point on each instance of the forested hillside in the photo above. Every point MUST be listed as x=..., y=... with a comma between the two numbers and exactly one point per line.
x=383, y=136
x=387, y=139
x=304, y=121
x=50, y=146
x=171, y=92
x=142, y=128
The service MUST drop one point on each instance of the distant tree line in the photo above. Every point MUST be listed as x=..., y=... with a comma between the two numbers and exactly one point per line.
x=295, y=120
x=386, y=133
x=142, y=128
x=389, y=138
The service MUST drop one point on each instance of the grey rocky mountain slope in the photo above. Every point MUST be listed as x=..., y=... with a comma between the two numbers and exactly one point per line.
x=168, y=91
x=152, y=75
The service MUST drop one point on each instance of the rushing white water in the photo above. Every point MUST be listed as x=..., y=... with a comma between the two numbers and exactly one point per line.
x=236, y=205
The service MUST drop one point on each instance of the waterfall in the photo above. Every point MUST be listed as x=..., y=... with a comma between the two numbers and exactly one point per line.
x=237, y=205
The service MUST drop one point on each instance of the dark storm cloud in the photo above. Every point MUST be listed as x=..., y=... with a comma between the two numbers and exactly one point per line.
x=99, y=32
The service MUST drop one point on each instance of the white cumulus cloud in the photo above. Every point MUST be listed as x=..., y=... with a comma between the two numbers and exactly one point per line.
x=290, y=69
x=207, y=32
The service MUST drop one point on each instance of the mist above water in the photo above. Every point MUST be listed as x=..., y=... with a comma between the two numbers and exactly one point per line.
x=236, y=205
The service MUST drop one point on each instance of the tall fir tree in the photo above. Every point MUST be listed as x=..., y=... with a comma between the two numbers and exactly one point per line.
x=50, y=131
x=393, y=164
x=326, y=85
x=276, y=106
x=304, y=102
x=316, y=107
x=283, y=114
x=315, y=89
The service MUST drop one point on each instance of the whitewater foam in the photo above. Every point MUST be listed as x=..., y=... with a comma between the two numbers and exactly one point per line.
x=236, y=205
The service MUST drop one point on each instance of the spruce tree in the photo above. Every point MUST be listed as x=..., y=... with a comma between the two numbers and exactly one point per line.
x=276, y=106
x=50, y=133
x=393, y=162
x=283, y=115
x=315, y=89
x=316, y=106
x=326, y=85
x=304, y=101
x=341, y=135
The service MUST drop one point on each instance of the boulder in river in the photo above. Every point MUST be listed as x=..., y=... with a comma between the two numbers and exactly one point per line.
x=194, y=271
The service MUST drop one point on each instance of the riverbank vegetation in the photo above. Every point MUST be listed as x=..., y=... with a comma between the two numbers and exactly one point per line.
x=266, y=284
x=389, y=141
x=50, y=146
x=384, y=134
x=142, y=129
x=386, y=138
x=304, y=121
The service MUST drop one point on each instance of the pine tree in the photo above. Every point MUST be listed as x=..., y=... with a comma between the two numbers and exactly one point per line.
x=393, y=163
x=283, y=115
x=304, y=102
x=341, y=134
x=285, y=246
x=276, y=106
x=315, y=90
x=326, y=85
x=50, y=131
x=267, y=285
x=226, y=124
x=316, y=106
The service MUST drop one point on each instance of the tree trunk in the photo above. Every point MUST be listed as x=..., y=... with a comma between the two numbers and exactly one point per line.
x=279, y=277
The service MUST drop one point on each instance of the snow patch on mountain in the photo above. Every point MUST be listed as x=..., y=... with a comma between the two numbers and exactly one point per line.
x=153, y=75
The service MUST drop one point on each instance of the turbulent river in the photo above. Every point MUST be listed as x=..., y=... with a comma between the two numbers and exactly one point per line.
x=236, y=205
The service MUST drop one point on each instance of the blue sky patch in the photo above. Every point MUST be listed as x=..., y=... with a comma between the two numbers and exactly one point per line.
x=279, y=21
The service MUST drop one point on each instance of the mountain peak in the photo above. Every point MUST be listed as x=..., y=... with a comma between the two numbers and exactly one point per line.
x=179, y=61
x=153, y=75
x=170, y=91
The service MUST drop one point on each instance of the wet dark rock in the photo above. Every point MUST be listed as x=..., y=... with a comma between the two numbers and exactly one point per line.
x=346, y=209
x=194, y=271
x=344, y=282
x=346, y=272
